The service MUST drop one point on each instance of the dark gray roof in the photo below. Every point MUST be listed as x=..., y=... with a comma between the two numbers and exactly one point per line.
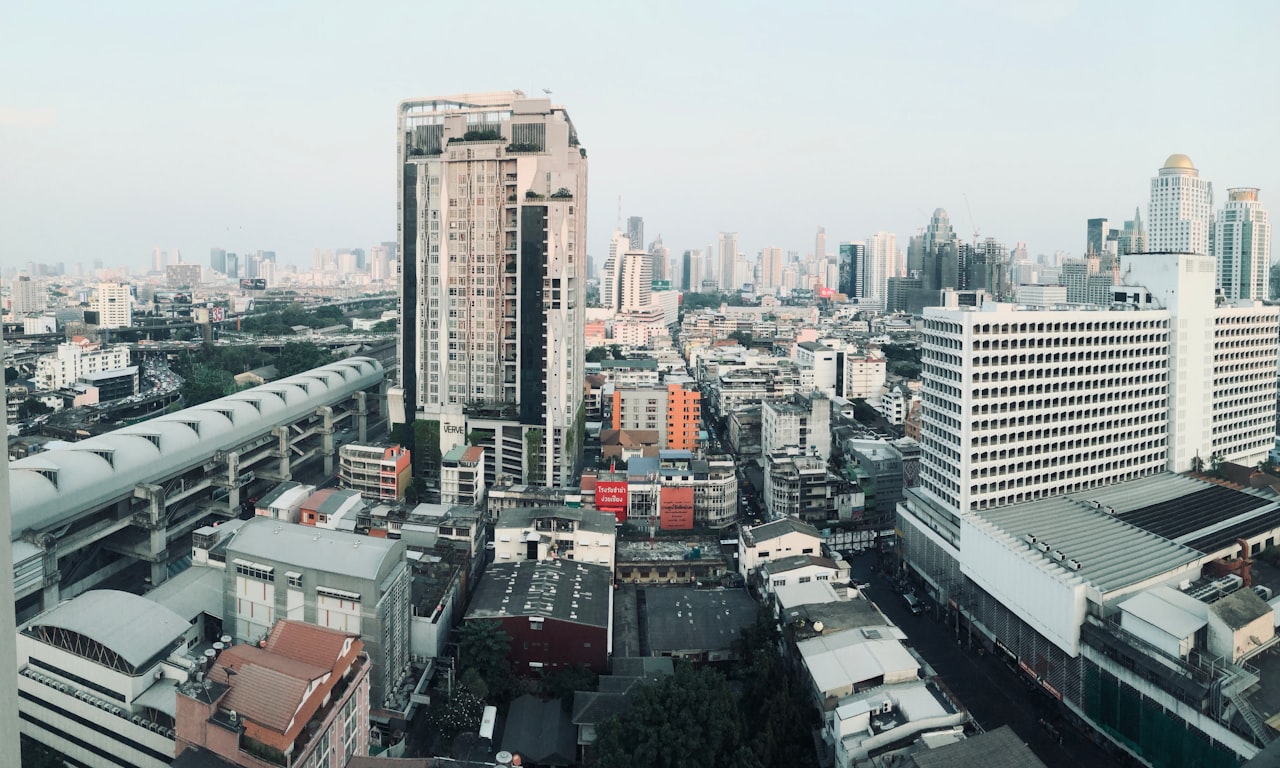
x=682, y=619
x=540, y=732
x=1000, y=748
x=643, y=666
x=270, y=496
x=781, y=527
x=1240, y=608
x=565, y=590
x=784, y=564
x=839, y=615
x=591, y=707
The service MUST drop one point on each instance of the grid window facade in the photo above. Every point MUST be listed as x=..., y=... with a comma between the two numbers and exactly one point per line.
x=1019, y=405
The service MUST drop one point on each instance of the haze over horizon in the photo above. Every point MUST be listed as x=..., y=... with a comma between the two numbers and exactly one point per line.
x=273, y=127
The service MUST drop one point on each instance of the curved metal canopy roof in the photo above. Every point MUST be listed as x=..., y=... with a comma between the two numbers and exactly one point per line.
x=53, y=487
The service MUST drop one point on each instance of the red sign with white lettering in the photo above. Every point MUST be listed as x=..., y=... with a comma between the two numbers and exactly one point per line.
x=611, y=496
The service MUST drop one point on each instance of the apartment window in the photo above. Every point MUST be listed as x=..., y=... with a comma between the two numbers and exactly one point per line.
x=255, y=571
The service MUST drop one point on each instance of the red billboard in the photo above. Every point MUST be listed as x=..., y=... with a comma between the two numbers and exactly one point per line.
x=826, y=293
x=677, y=508
x=611, y=496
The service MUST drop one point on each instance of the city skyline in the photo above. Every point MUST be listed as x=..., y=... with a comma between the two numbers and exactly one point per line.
x=276, y=138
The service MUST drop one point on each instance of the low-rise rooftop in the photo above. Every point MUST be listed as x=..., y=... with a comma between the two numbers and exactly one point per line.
x=588, y=520
x=688, y=620
x=565, y=590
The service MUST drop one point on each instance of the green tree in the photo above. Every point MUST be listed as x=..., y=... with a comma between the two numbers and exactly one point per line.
x=204, y=383
x=616, y=351
x=902, y=352
x=11, y=375
x=597, y=354
x=299, y=356
x=533, y=455
x=426, y=442
x=328, y=315
x=484, y=649
x=742, y=337
x=688, y=720
x=905, y=369
x=779, y=716
x=562, y=683
x=386, y=326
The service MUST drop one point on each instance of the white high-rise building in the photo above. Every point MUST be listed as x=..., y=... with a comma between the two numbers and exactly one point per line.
x=619, y=244
x=729, y=261
x=771, y=268
x=493, y=191
x=26, y=296
x=114, y=305
x=881, y=256
x=9, y=754
x=1020, y=403
x=635, y=282
x=1242, y=246
x=1181, y=209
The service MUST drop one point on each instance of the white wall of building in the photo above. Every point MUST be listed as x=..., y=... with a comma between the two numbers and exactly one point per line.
x=1038, y=590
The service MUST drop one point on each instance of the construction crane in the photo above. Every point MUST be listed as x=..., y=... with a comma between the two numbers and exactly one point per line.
x=976, y=232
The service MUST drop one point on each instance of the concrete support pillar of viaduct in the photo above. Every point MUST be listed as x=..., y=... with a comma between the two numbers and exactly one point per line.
x=283, y=451
x=326, y=438
x=157, y=530
x=51, y=594
x=233, y=483
x=361, y=413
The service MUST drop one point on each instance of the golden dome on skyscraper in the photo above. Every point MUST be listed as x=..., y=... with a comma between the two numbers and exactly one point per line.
x=1179, y=161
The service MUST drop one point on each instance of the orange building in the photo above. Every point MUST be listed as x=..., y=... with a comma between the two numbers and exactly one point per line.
x=684, y=416
x=674, y=412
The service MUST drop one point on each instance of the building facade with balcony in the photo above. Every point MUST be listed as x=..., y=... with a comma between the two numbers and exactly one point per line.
x=541, y=533
x=462, y=476
x=378, y=472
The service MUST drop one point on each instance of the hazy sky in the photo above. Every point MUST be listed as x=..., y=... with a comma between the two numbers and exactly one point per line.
x=271, y=125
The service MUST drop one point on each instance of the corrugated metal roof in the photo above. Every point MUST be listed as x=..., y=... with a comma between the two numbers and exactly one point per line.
x=134, y=627
x=1112, y=554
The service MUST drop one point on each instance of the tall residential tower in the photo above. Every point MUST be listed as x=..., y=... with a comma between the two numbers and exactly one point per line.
x=1181, y=209
x=1242, y=246
x=492, y=244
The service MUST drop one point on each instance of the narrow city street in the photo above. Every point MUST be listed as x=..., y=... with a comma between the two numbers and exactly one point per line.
x=993, y=692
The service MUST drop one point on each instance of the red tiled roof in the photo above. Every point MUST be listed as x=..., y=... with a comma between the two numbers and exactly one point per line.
x=268, y=686
x=307, y=642
x=265, y=696
x=314, y=501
